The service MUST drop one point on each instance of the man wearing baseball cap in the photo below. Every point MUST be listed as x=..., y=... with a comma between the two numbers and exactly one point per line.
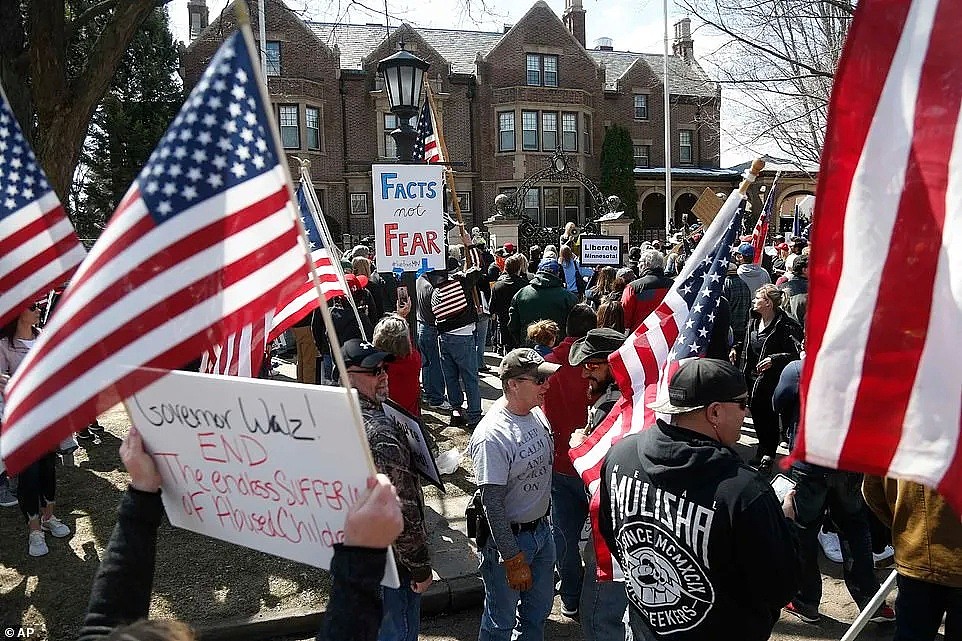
x=545, y=297
x=701, y=537
x=753, y=275
x=392, y=456
x=512, y=450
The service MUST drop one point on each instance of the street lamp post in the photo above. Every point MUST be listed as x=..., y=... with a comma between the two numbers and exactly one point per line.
x=404, y=78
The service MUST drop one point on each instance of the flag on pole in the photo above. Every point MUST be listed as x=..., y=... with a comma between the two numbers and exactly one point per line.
x=203, y=242
x=679, y=328
x=427, y=148
x=39, y=248
x=240, y=354
x=304, y=299
x=796, y=223
x=760, y=233
x=881, y=389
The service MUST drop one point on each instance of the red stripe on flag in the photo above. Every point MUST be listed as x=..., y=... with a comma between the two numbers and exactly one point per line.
x=169, y=307
x=858, y=86
x=896, y=344
x=38, y=262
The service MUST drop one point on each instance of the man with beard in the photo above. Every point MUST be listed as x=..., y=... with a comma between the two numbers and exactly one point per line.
x=603, y=604
x=392, y=457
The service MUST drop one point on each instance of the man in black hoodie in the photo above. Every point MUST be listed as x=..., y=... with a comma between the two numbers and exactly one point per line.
x=704, y=545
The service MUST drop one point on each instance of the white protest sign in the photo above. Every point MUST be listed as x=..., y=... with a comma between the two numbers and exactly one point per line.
x=601, y=250
x=420, y=452
x=408, y=217
x=268, y=465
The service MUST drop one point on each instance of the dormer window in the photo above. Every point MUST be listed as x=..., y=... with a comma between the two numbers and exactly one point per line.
x=541, y=70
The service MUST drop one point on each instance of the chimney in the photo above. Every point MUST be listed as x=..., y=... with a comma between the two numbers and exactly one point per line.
x=574, y=19
x=197, y=17
x=604, y=44
x=684, y=46
x=507, y=27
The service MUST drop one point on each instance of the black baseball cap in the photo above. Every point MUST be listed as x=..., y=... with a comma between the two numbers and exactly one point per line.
x=362, y=354
x=597, y=343
x=698, y=383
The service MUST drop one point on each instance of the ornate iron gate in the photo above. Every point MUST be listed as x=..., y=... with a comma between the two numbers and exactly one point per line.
x=557, y=170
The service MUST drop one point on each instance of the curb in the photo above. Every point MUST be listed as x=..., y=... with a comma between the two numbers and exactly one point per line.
x=444, y=595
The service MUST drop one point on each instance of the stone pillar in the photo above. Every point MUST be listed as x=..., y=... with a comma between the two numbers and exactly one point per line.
x=617, y=227
x=503, y=231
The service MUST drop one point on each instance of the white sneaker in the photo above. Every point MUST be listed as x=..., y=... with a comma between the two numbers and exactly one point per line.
x=884, y=556
x=55, y=526
x=830, y=545
x=38, y=546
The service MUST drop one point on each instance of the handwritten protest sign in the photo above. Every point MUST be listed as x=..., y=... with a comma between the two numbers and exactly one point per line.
x=268, y=465
x=408, y=217
x=423, y=460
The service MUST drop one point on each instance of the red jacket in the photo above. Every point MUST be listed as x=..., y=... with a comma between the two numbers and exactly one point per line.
x=565, y=404
x=403, y=387
x=642, y=296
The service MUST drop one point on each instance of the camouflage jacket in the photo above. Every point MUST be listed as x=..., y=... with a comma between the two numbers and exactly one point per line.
x=392, y=457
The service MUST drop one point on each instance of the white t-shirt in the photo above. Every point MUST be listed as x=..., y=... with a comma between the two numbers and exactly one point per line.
x=515, y=451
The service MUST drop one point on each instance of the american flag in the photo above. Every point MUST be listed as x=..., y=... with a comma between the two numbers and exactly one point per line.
x=202, y=243
x=426, y=146
x=679, y=328
x=242, y=353
x=38, y=246
x=881, y=386
x=760, y=233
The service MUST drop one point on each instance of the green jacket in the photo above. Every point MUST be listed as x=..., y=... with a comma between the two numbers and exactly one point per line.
x=545, y=298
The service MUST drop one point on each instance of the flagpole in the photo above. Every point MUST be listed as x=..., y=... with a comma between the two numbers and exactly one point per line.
x=244, y=23
x=448, y=173
x=322, y=229
x=667, y=107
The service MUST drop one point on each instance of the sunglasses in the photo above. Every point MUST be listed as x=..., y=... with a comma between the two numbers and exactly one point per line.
x=742, y=402
x=537, y=380
x=380, y=370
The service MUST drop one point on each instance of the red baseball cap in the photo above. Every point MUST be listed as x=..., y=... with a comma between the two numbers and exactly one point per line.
x=509, y=247
x=355, y=282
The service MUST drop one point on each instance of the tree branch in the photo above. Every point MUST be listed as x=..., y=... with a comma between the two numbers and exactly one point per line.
x=92, y=12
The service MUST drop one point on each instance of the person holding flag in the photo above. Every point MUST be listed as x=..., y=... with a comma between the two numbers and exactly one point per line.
x=725, y=557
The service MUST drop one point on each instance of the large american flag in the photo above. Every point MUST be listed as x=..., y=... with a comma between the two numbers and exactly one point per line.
x=760, y=233
x=882, y=386
x=427, y=148
x=680, y=328
x=202, y=243
x=240, y=354
x=39, y=248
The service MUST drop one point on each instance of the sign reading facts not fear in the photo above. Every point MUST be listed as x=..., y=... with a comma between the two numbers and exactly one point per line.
x=408, y=217
x=269, y=465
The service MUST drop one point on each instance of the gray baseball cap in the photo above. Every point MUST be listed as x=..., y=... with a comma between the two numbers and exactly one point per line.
x=524, y=362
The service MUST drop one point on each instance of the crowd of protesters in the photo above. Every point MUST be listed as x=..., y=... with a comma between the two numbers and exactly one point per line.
x=729, y=554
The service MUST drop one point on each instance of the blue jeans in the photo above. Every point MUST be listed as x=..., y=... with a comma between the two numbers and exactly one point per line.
x=402, y=611
x=459, y=362
x=431, y=377
x=919, y=608
x=507, y=610
x=481, y=336
x=569, y=509
x=841, y=492
x=603, y=604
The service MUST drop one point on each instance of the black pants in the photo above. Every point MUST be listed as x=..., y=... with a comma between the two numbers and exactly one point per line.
x=919, y=609
x=764, y=417
x=37, y=486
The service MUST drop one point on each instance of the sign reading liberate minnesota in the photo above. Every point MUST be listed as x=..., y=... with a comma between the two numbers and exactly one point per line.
x=408, y=217
x=268, y=465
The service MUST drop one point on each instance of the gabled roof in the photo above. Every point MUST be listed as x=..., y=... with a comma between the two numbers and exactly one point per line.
x=357, y=41
x=774, y=164
x=686, y=79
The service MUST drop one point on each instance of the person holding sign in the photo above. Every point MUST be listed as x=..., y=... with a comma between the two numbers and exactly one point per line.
x=512, y=450
x=366, y=367
x=120, y=595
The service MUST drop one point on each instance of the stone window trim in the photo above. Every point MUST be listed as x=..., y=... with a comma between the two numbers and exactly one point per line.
x=530, y=138
x=541, y=69
x=318, y=114
x=507, y=131
x=642, y=155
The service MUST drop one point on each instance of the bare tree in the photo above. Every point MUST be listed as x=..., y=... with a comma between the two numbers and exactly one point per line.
x=57, y=58
x=778, y=59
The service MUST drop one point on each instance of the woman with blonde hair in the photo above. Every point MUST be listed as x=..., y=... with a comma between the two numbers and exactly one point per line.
x=544, y=334
x=392, y=334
